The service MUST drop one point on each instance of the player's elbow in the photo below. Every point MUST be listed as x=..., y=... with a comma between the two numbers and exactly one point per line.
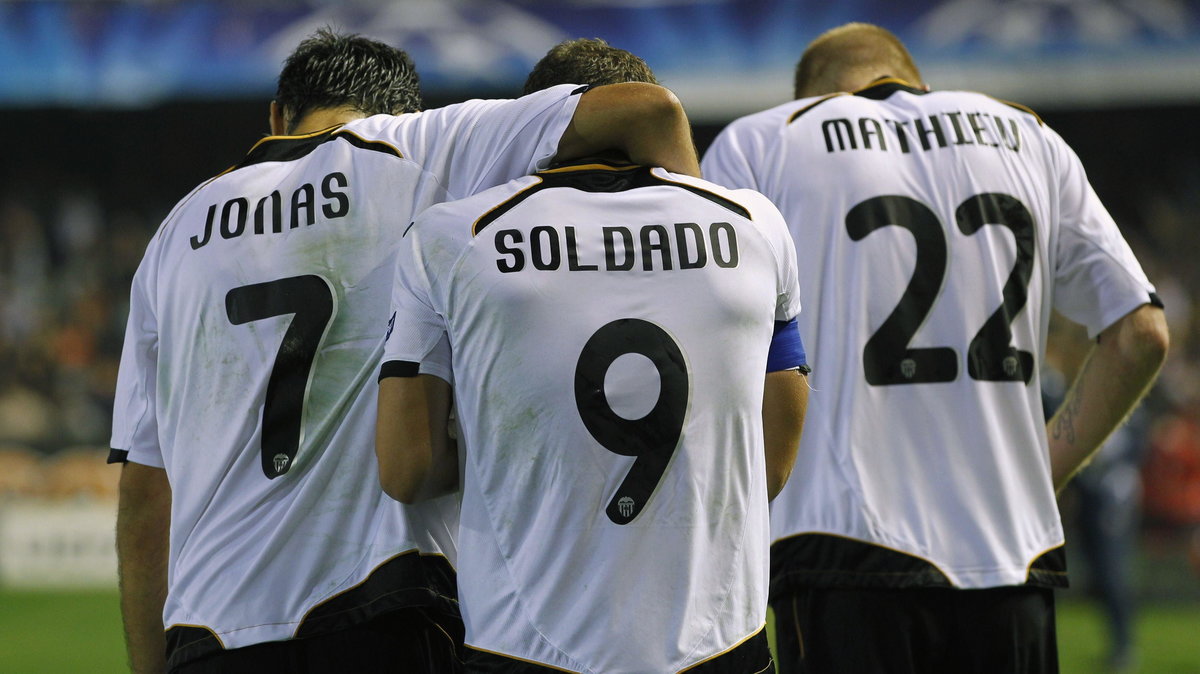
x=777, y=477
x=399, y=488
x=1140, y=340
x=401, y=474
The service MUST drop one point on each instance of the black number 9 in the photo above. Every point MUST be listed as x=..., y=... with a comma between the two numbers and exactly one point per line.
x=654, y=437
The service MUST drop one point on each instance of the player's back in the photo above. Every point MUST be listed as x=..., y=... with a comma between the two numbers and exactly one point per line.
x=268, y=284
x=609, y=328
x=250, y=363
x=937, y=230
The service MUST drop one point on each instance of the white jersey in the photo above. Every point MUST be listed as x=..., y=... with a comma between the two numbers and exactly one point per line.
x=250, y=359
x=936, y=231
x=609, y=329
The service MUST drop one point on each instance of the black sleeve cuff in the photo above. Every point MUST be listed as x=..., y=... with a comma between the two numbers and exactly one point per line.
x=399, y=368
x=118, y=456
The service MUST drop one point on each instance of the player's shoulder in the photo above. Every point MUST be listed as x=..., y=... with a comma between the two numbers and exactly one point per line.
x=772, y=118
x=979, y=99
x=477, y=207
x=751, y=204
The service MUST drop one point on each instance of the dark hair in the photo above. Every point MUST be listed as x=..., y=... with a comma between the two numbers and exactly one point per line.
x=330, y=70
x=587, y=61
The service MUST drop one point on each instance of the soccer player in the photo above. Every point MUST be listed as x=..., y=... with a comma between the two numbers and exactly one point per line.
x=936, y=230
x=628, y=380
x=251, y=521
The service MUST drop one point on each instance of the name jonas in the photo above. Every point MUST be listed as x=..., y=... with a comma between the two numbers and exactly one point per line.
x=267, y=213
x=684, y=245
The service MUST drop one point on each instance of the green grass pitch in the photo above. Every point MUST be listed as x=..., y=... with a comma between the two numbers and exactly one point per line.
x=66, y=632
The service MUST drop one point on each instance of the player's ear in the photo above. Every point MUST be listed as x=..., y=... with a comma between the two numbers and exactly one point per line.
x=275, y=118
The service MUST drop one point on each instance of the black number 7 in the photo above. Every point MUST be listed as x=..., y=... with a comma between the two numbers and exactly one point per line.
x=311, y=299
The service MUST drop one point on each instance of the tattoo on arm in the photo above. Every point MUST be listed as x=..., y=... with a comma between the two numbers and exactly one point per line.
x=1064, y=424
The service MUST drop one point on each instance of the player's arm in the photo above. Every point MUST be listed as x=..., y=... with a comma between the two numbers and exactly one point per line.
x=785, y=401
x=645, y=121
x=417, y=458
x=143, y=526
x=1116, y=374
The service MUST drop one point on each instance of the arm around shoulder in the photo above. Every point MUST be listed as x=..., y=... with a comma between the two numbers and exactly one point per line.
x=1116, y=375
x=645, y=121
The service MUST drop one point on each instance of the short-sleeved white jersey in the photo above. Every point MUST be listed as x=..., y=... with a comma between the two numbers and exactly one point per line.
x=936, y=230
x=609, y=328
x=250, y=358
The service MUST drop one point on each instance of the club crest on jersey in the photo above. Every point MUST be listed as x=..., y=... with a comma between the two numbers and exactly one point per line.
x=281, y=463
x=625, y=506
x=908, y=368
x=1010, y=365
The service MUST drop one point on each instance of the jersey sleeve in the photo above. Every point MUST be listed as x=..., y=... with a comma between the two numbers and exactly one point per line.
x=478, y=144
x=416, y=341
x=727, y=160
x=1097, y=278
x=135, y=422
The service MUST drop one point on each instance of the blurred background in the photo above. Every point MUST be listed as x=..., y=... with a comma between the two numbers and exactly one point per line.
x=110, y=112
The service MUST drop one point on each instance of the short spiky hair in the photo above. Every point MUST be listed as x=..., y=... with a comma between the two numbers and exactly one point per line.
x=330, y=70
x=587, y=61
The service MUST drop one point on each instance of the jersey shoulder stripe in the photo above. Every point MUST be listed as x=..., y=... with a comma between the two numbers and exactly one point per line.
x=601, y=178
x=291, y=148
x=812, y=105
x=1020, y=107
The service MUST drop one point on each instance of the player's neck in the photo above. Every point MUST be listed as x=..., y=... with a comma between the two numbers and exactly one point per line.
x=323, y=118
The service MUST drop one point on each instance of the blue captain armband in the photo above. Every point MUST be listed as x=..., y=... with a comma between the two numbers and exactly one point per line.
x=787, y=351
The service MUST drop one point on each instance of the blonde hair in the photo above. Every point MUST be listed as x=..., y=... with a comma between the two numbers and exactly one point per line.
x=850, y=57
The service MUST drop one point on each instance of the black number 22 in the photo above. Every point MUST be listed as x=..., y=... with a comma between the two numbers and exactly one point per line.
x=311, y=299
x=654, y=437
x=887, y=358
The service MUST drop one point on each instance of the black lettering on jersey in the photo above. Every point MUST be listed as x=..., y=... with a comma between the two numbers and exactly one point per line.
x=231, y=226
x=960, y=138
x=934, y=131
x=327, y=191
x=302, y=200
x=726, y=254
x=900, y=129
x=661, y=245
x=610, y=249
x=935, y=127
x=518, y=257
x=974, y=119
x=573, y=254
x=870, y=128
x=260, y=213
x=685, y=253
x=838, y=126
x=235, y=212
x=547, y=257
x=685, y=245
x=1013, y=143
x=208, y=224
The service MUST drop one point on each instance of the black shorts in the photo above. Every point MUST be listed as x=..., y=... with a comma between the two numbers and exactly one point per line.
x=407, y=640
x=1005, y=630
